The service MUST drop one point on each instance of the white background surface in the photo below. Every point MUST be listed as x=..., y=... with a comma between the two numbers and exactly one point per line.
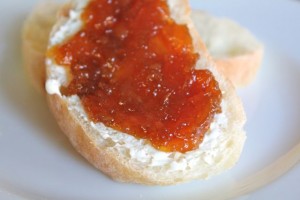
x=37, y=162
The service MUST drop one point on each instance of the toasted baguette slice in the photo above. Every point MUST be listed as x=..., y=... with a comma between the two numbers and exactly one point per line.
x=236, y=52
x=129, y=159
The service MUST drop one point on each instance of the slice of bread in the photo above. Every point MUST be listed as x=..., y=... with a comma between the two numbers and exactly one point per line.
x=129, y=159
x=236, y=52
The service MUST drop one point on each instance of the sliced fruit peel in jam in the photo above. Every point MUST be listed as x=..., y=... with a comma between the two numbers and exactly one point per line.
x=133, y=68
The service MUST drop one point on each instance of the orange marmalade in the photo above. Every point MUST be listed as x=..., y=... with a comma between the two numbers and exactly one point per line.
x=133, y=68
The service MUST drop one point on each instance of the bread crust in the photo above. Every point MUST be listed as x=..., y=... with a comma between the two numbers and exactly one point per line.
x=241, y=66
x=35, y=36
x=241, y=69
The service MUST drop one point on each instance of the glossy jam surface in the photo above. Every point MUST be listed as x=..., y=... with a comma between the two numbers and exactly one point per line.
x=133, y=68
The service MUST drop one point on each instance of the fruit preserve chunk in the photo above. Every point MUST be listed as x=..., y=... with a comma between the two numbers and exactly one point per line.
x=133, y=68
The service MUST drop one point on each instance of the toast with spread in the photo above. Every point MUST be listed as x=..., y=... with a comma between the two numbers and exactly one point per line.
x=135, y=90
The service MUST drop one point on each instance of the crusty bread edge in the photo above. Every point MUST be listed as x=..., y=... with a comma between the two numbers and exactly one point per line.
x=241, y=68
x=231, y=67
x=32, y=50
x=103, y=159
x=33, y=62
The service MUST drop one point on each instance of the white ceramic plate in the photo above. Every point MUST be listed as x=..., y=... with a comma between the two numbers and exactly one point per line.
x=37, y=162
